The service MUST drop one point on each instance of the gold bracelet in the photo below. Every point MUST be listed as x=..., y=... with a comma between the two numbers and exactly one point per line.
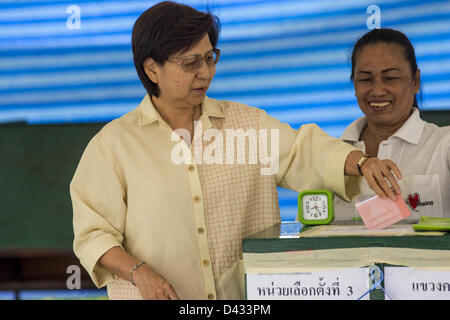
x=137, y=265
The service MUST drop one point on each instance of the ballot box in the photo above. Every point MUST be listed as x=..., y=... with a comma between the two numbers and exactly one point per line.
x=345, y=261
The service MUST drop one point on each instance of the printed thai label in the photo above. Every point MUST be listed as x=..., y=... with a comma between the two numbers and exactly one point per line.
x=342, y=284
x=414, y=284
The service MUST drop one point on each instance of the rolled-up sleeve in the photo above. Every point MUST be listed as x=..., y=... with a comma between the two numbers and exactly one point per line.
x=99, y=208
x=309, y=158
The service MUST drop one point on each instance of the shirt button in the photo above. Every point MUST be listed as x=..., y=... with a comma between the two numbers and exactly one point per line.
x=211, y=296
x=200, y=230
x=206, y=262
x=191, y=168
x=197, y=199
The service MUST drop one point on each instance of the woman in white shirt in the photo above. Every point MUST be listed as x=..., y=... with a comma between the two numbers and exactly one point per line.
x=386, y=81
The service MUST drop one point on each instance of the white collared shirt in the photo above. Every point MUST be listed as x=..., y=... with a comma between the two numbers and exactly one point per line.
x=421, y=150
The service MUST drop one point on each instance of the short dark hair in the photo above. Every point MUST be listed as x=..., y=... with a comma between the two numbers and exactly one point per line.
x=167, y=28
x=387, y=35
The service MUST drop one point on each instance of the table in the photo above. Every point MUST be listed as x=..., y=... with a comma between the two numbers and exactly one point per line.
x=298, y=266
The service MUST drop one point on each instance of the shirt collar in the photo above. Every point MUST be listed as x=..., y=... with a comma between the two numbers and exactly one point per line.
x=148, y=113
x=411, y=131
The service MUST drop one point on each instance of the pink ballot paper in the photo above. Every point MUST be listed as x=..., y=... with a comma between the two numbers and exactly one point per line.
x=377, y=213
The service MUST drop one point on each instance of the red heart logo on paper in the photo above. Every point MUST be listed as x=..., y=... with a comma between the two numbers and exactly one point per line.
x=413, y=200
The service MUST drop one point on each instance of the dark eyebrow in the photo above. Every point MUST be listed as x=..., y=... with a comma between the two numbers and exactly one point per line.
x=197, y=55
x=390, y=69
x=383, y=71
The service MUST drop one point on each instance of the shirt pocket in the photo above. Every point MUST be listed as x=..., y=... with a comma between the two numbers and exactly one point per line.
x=422, y=195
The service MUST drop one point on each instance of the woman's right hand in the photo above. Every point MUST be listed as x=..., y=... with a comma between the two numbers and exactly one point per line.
x=152, y=285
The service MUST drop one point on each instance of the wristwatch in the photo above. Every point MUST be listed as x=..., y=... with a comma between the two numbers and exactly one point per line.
x=361, y=162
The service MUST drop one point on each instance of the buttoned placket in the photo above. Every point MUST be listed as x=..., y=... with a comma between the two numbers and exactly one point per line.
x=385, y=149
x=200, y=226
x=392, y=149
x=198, y=209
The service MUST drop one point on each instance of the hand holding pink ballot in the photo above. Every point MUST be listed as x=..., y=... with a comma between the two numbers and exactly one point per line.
x=378, y=213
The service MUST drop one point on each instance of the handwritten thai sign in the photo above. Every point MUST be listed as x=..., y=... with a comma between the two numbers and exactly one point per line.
x=342, y=284
x=415, y=284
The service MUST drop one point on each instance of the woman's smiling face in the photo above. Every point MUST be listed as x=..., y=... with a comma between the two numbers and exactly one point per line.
x=384, y=85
